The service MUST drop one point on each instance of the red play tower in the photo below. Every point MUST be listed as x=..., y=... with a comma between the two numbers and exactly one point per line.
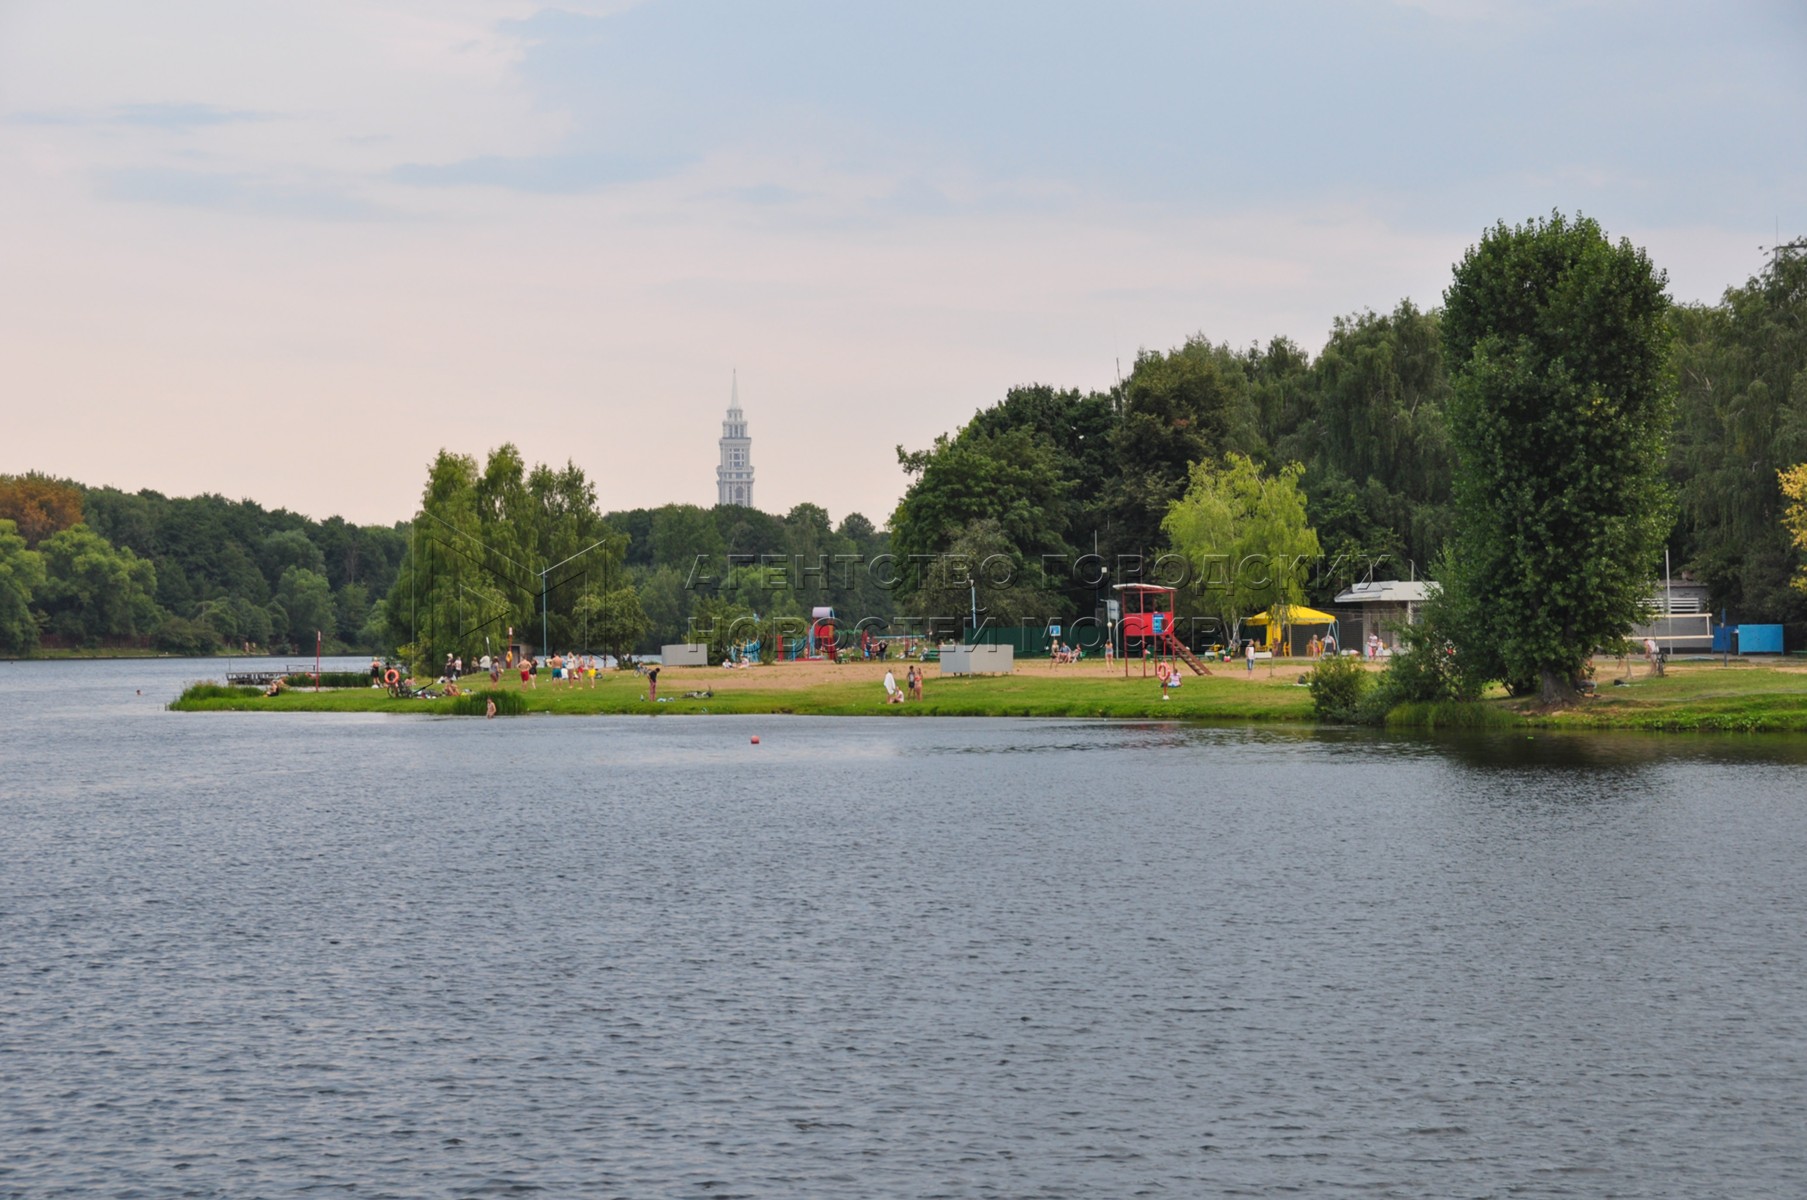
x=1147, y=616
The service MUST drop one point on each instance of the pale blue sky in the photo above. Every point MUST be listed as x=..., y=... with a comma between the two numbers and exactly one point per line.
x=383, y=226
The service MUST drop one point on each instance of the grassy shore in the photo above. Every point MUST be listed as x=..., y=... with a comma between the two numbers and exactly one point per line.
x=1693, y=696
x=856, y=689
x=104, y=652
x=1699, y=696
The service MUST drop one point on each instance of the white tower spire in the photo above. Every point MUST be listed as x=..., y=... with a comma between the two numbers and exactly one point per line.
x=734, y=476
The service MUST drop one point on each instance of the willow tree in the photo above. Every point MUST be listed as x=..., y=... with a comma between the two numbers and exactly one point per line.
x=1245, y=538
x=1794, y=518
x=504, y=548
x=1559, y=416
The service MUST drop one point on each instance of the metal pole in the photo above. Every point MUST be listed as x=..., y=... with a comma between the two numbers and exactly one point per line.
x=1668, y=599
x=544, y=651
x=316, y=660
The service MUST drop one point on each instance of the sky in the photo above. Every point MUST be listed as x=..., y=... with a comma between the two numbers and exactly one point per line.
x=288, y=252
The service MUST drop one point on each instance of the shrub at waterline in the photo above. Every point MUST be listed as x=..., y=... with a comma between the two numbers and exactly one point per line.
x=476, y=704
x=329, y=679
x=1337, y=684
x=206, y=690
x=1426, y=668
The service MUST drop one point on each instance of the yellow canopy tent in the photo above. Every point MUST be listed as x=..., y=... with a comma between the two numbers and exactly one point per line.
x=1296, y=615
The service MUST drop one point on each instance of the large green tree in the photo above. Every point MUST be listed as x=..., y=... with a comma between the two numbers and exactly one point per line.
x=1740, y=368
x=1012, y=479
x=21, y=574
x=982, y=567
x=1559, y=417
x=1179, y=408
x=307, y=601
x=499, y=548
x=1245, y=537
x=613, y=620
x=1380, y=480
x=93, y=591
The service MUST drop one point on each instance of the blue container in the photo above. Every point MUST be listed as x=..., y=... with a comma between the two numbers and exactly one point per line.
x=1759, y=639
x=1722, y=638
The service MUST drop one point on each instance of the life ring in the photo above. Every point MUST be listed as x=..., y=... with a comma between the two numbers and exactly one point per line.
x=392, y=676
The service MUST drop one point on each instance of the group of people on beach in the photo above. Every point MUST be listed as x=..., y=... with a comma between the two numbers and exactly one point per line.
x=912, y=689
x=571, y=669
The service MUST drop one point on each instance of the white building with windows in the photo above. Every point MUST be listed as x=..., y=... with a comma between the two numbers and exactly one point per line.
x=734, y=477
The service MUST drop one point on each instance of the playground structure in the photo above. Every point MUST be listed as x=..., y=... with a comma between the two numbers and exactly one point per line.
x=822, y=635
x=1147, y=616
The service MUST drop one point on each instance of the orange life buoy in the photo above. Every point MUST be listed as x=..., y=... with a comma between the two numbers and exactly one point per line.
x=391, y=676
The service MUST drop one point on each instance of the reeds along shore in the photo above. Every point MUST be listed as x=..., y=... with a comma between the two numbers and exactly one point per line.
x=1694, y=696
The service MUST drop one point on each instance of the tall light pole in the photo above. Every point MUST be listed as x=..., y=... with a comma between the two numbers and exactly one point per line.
x=545, y=650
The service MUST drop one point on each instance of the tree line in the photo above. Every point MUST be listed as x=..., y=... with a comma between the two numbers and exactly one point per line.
x=501, y=554
x=82, y=567
x=1363, y=434
x=1351, y=460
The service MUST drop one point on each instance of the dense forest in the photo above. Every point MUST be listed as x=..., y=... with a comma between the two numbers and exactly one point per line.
x=1047, y=476
x=1035, y=485
x=82, y=567
x=505, y=554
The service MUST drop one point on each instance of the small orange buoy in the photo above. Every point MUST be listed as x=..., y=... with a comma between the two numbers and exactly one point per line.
x=756, y=741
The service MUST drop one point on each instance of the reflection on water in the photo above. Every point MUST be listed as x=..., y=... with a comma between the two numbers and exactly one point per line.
x=244, y=954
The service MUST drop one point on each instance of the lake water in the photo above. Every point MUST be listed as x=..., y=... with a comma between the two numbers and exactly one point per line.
x=253, y=955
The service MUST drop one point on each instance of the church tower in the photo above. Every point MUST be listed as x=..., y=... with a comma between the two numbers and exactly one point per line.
x=734, y=477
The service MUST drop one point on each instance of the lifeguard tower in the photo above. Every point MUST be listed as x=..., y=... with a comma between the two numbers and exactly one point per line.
x=1147, y=616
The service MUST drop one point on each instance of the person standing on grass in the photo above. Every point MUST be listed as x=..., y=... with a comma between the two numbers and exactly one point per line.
x=1248, y=652
x=652, y=685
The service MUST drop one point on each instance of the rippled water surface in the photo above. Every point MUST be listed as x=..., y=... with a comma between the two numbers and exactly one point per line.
x=247, y=955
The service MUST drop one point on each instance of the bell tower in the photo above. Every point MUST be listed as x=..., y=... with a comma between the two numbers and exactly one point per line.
x=734, y=476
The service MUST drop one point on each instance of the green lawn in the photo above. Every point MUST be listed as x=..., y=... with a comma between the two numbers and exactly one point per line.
x=1693, y=697
x=1746, y=697
x=1218, y=698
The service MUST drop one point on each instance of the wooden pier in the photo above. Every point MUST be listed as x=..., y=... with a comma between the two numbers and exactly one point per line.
x=265, y=678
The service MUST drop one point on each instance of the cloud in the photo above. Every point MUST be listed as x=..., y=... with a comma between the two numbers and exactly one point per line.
x=766, y=195
x=179, y=118
x=545, y=173
x=232, y=192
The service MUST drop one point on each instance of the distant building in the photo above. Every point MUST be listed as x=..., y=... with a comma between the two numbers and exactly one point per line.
x=1385, y=604
x=1680, y=620
x=734, y=477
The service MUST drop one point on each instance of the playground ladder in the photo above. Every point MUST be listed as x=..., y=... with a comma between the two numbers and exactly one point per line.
x=1186, y=656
